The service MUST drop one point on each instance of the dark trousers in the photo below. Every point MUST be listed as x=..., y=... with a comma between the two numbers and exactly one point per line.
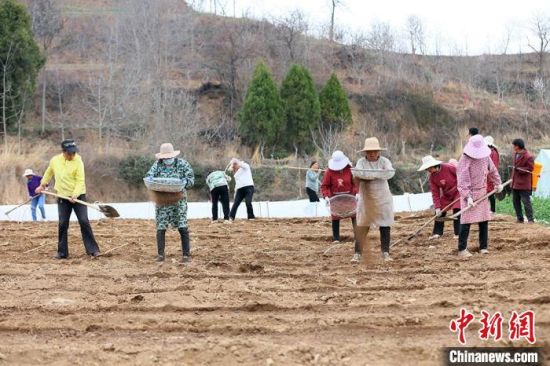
x=440, y=225
x=312, y=195
x=465, y=232
x=65, y=208
x=245, y=193
x=220, y=194
x=185, y=242
x=493, y=203
x=519, y=197
x=336, y=233
x=385, y=232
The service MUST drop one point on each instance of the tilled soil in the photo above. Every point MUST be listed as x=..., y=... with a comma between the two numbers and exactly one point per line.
x=260, y=293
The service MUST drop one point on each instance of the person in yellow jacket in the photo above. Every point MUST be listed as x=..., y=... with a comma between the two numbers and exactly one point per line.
x=68, y=170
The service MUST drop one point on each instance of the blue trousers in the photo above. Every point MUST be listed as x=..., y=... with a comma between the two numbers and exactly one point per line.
x=38, y=201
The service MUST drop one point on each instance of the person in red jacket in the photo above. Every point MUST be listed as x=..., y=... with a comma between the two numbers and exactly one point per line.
x=495, y=157
x=338, y=179
x=444, y=192
x=522, y=185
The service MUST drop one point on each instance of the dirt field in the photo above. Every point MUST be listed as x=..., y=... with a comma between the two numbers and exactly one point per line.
x=259, y=293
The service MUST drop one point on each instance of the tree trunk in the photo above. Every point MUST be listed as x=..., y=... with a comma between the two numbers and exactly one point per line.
x=331, y=31
x=43, y=101
x=4, y=122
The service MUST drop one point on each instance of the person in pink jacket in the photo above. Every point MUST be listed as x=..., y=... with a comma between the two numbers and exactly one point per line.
x=444, y=192
x=475, y=169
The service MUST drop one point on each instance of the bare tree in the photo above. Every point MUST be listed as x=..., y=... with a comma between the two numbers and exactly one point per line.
x=380, y=39
x=415, y=31
x=540, y=27
x=47, y=22
x=291, y=30
x=6, y=91
x=333, y=5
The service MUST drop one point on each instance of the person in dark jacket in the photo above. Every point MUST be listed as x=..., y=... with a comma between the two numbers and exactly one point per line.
x=522, y=179
x=495, y=157
x=33, y=182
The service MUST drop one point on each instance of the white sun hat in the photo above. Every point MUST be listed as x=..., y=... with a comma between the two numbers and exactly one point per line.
x=490, y=141
x=28, y=172
x=429, y=161
x=339, y=161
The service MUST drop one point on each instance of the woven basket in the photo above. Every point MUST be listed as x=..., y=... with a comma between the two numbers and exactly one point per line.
x=165, y=198
x=172, y=185
x=343, y=205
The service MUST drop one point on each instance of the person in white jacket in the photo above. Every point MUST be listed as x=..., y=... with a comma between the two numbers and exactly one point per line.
x=244, y=188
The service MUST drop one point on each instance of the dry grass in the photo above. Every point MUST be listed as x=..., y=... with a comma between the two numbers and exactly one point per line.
x=13, y=164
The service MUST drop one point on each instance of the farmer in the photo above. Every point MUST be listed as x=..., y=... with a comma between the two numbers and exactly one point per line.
x=338, y=180
x=312, y=181
x=444, y=192
x=495, y=158
x=218, y=186
x=375, y=205
x=244, y=188
x=68, y=170
x=522, y=179
x=33, y=182
x=475, y=168
x=174, y=215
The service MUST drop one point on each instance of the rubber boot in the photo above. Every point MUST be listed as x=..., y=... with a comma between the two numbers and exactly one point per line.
x=185, y=244
x=161, y=243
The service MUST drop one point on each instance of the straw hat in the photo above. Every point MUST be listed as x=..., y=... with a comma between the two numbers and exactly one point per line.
x=28, y=172
x=339, y=161
x=167, y=151
x=372, y=144
x=490, y=141
x=428, y=161
x=477, y=148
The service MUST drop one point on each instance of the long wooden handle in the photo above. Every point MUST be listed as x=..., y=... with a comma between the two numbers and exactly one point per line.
x=432, y=219
x=74, y=199
x=484, y=197
x=22, y=204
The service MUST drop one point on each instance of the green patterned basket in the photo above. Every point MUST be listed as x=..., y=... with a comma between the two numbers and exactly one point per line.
x=172, y=185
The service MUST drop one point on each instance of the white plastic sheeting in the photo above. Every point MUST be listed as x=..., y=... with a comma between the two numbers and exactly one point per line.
x=201, y=210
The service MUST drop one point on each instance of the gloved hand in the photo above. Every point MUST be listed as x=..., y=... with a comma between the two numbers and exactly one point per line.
x=184, y=182
x=327, y=201
x=438, y=212
x=500, y=188
x=471, y=201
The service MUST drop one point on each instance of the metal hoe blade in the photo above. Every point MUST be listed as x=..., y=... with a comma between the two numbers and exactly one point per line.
x=108, y=211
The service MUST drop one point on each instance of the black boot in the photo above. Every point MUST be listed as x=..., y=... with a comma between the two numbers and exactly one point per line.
x=185, y=244
x=161, y=243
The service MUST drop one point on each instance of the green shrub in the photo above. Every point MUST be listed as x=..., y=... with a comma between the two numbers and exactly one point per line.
x=133, y=168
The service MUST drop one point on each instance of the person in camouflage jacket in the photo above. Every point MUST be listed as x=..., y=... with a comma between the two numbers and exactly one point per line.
x=174, y=215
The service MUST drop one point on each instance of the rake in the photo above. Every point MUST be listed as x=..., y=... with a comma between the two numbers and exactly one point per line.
x=435, y=217
x=108, y=211
x=22, y=204
x=456, y=215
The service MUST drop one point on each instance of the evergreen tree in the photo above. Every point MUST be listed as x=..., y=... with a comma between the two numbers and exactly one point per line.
x=20, y=60
x=261, y=117
x=335, y=111
x=302, y=109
